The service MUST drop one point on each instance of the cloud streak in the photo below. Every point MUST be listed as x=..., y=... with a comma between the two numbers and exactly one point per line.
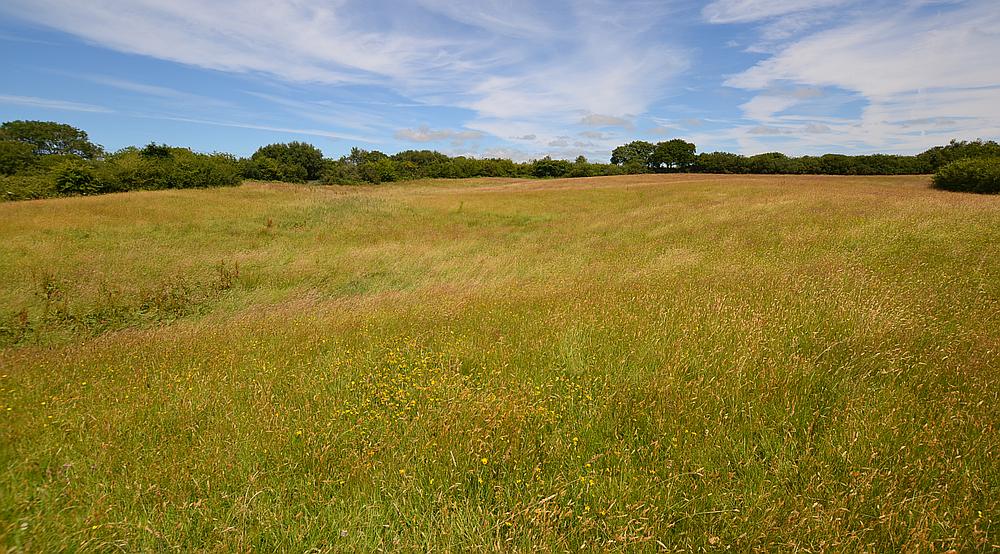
x=50, y=104
x=566, y=58
x=426, y=134
x=813, y=75
x=917, y=65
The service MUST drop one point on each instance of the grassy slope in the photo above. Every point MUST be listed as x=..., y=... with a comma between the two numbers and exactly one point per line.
x=646, y=362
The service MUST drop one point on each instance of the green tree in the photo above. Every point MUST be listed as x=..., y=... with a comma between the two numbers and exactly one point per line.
x=378, y=170
x=547, y=167
x=721, y=162
x=153, y=150
x=939, y=156
x=49, y=137
x=769, y=162
x=75, y=177
x=676, y=155
x=15, y=157
x=634, y=154
x=300, y=154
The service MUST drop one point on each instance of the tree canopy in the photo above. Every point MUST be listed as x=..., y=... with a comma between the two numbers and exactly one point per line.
x=49, y=137
x=289, y=157
x=673, y=154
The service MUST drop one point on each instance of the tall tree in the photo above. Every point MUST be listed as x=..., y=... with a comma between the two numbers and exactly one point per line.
x=634, y=154
x=49, y=137
x=676, y=155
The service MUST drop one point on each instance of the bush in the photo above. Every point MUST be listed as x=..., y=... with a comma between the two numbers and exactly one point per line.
x=940, y=156
x=980, y=175
x=76, y=178
x=339, y=172
x=271, y=169
x=164, y=167
x=547, y=167
x=26, y=187
x=378, y=171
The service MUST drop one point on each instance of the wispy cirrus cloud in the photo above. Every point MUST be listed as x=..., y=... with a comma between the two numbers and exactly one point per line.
x=485, y=75
x=532, y=65
x=745, y=11
x=905, y=64
x=52, y=104
x=284, y=130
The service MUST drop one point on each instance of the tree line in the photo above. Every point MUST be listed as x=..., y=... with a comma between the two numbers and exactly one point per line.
x=41, y=158
x=679, y=156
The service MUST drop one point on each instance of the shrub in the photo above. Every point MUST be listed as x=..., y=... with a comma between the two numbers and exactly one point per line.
x=162, y=167
x=940, y=156
x=127, y=169
x=378, y=171
x=272, y=169
x=547, y=167
x=26, y=187
x=191, y=170
x=980, y=175
x=340, y=172
x=76, y=178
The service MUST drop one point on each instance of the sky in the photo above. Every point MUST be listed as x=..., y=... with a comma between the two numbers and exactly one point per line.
x=513, y=78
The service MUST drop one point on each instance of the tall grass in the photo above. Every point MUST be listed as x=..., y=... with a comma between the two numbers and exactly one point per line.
x=679, y=363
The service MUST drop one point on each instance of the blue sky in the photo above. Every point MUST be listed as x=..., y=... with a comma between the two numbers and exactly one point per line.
x=508, y=78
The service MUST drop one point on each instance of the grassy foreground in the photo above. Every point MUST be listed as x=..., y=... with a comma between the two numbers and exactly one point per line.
x=680, y=363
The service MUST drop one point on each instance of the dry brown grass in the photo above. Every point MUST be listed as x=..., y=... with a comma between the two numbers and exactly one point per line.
x=681, y=363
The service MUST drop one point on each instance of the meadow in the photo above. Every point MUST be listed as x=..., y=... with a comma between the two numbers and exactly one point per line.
x=681, y=363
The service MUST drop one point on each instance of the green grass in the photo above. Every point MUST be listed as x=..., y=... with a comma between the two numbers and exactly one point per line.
x=642, y=363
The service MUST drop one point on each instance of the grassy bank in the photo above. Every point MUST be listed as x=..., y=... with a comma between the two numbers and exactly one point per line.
x=651, y=362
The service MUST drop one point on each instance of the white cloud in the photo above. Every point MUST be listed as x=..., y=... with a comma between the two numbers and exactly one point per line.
x=744, y=11
x=426, y=134
x=566, y=58
x=290, y=40
x=908, y=52
x=912, y=67
x=289, y=130
x=153, y=90
x=48, y=103
x=763, y=107
x=338, y=114
x=599, y=120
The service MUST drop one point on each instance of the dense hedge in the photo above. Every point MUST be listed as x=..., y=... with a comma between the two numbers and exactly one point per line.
x=153, y=167
x=164, y=167
x=981, y=175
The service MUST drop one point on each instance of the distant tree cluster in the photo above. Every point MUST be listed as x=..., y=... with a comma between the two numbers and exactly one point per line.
x=645, y=157
x=39, y=159
x=679, y=156
x=363, y=166
x=42, y=158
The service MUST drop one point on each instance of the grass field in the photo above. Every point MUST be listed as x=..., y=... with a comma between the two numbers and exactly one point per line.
x=642, y=363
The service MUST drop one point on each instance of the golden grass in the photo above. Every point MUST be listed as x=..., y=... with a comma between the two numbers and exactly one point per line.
x=680, y=363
